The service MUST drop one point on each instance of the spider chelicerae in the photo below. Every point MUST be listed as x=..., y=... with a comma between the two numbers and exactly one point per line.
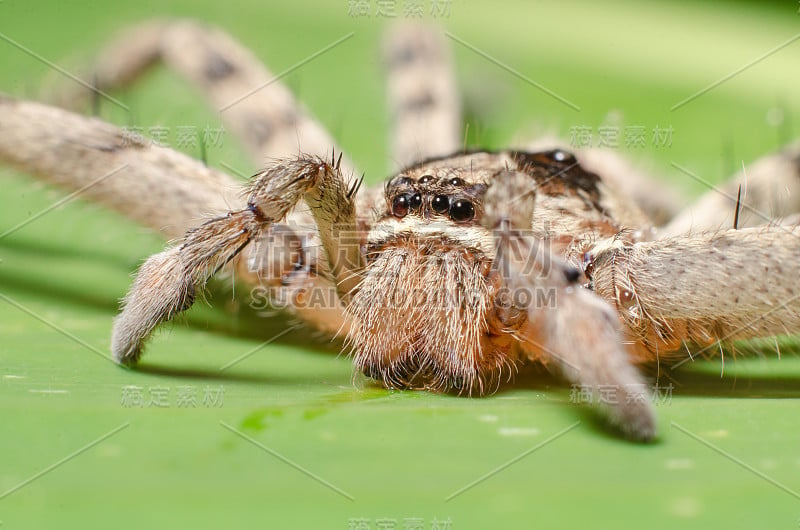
x=463, y=265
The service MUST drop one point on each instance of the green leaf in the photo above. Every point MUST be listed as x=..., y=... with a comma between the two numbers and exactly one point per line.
x=288, y=437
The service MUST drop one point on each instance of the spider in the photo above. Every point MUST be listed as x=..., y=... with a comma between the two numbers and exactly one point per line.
x=464, y=265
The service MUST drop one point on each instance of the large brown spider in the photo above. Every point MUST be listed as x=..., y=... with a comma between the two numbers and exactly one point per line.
x=463, y=265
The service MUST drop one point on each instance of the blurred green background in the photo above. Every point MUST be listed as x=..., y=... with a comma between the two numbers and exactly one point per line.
x=285, y=439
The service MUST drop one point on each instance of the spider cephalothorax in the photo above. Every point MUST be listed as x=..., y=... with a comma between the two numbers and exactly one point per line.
x=430, y=310
x=461, y=266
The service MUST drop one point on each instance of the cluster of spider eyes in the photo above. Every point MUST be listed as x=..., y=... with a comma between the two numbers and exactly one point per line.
x=460, y=210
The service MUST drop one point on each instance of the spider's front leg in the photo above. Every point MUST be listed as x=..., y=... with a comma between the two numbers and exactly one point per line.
x=703, y=289
x=166, y=283
x=579, y=332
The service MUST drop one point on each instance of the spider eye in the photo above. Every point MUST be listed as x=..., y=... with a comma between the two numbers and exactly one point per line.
x=455, y=181
x=400, y=206
x=415, y=201
x=571, y=274
x=625, y=297
x=440, y=203
x=563, y=156
x=424, y=179
x=461, y=211
x=402, y=181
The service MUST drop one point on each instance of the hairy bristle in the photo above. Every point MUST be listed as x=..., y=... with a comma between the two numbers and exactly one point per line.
x=421, y=320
